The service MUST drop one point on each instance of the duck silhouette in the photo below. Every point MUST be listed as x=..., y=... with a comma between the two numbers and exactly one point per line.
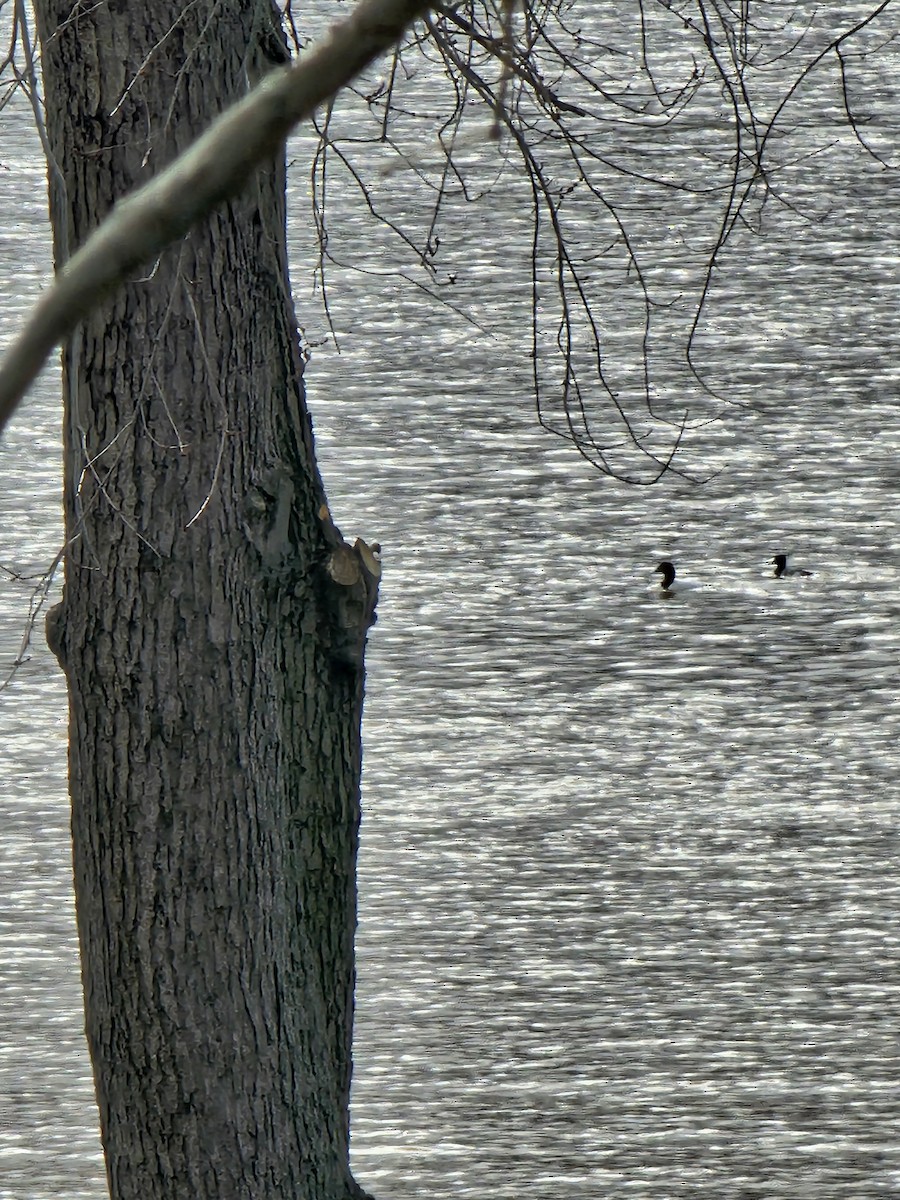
x=782, y=570
x=668, y=586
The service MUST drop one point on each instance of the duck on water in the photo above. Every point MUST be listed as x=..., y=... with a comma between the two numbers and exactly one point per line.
x=667, y=583
x=783, y=571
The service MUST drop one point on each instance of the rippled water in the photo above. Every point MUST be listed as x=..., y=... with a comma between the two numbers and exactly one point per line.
x=634, y=861
x=630, y=865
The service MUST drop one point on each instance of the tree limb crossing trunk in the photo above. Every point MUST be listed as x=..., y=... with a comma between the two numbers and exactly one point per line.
x=212, y=632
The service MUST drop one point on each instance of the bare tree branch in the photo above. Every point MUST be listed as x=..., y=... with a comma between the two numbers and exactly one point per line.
x=214, y=169
x=658, y=141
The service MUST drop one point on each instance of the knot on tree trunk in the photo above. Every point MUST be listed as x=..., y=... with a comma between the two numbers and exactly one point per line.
x=355, y=573
x=54, y=628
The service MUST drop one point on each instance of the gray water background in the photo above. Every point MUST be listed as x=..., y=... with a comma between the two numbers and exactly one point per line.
x=629, y=869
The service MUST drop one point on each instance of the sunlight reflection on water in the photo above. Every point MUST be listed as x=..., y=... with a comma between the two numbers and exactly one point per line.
x=630, y=866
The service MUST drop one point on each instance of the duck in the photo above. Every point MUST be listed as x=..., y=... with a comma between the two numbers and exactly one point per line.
x=668, y=587
x=782, y=569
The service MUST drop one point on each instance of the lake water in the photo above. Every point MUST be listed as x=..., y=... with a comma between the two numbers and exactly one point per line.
x=630, y=873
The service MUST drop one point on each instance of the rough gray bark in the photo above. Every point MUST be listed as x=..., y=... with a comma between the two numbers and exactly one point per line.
x=212, y=632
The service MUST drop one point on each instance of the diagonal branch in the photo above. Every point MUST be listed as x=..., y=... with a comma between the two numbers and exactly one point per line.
x=215, y=168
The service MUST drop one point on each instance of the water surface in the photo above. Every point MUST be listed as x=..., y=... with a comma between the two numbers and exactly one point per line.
x=629, y=867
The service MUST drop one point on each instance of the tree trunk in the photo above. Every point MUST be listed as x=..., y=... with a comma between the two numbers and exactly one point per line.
x=212, y=632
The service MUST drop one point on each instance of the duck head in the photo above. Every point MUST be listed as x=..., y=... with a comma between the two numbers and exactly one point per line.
x=667, y=570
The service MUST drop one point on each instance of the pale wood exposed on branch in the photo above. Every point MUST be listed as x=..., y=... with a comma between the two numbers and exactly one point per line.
x=216, y=167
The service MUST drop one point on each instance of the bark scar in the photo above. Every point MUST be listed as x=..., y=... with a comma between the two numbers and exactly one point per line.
x=355, y=573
